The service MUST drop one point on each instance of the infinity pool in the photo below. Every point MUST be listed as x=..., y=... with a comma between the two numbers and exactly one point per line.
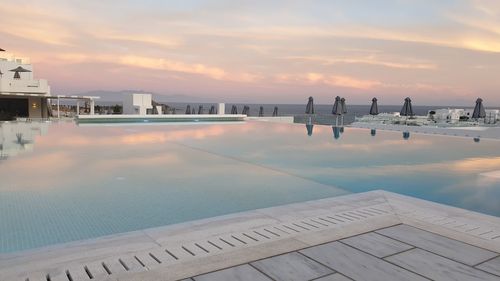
x=60, y=182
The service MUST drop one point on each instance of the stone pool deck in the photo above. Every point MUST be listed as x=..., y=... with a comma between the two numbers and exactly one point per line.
x=375, y=235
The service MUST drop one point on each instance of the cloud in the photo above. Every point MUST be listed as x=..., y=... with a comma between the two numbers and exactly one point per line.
x=330, y=80
x=248, y=50
x=169, y=65
x=371, y=60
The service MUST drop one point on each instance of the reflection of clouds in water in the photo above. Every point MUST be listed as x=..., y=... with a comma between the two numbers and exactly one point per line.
x=477, y=193
x=71, y=136
x=475, y=165
x=93, y=155
x=470, y=166
x=38, y=172
x=360, y=147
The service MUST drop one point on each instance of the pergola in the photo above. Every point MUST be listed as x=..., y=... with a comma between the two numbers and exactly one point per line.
x=90, y=99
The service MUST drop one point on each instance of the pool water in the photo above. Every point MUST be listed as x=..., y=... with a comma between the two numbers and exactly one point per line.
x=60, y=182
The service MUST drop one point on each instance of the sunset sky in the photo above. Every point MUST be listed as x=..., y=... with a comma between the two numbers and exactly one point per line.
x=444, y=52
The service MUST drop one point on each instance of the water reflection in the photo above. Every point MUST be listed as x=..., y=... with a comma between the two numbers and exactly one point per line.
x=406, y=135
x=420, y=165
x=336, y=132
x=309, y=128
x=19, y=137
x=84, y=182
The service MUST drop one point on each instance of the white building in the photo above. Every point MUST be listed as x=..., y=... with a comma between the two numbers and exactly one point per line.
x=137, y=104
x=448, y=115
x=21, y=95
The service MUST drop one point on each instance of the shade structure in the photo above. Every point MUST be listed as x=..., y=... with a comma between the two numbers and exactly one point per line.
x=246, y=110
x=200, y=109
x=336, y=132
x=234, y=109
x=188, y=109
x=212, y=110
x=309, y=128
x=407, y=109
x=337, y=109
x=261, y=111
x=343, y=106
x=18, y=70
x=310, y=106
x=479, y=111
x=374, y=107
x=275, y=111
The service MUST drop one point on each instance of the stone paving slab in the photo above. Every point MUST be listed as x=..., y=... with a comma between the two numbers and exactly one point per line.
x=334, y=277
x=491, y=266
x=438, y=244
x=376, y=244
x=238, y=273
x=438, y=268
x=291, y=267
x=356, y=264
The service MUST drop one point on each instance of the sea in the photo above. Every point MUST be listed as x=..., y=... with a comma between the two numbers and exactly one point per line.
x=298, y=109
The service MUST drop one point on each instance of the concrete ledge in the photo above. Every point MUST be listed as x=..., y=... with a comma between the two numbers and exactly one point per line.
x=158, y=118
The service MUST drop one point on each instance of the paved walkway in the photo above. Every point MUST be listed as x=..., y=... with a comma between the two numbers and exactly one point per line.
x=400, y=252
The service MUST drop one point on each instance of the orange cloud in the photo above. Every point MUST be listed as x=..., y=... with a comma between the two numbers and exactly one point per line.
x=332, y=80
x=367, y=60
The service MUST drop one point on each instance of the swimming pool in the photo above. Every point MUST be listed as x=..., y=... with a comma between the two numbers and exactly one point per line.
x=60, y=182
